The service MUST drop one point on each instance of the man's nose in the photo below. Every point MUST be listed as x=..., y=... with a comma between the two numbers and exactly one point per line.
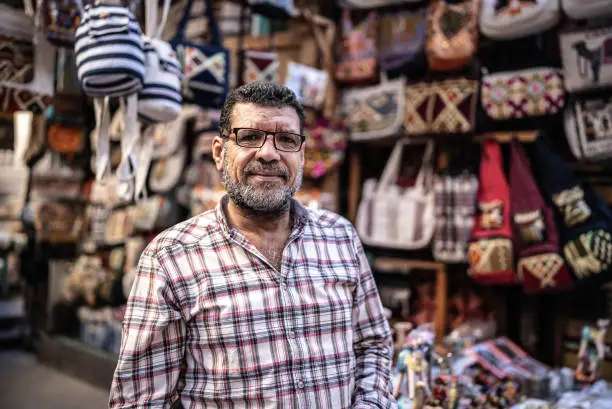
x=268, y=152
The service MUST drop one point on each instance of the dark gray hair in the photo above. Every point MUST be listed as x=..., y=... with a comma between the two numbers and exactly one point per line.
x=260, y=93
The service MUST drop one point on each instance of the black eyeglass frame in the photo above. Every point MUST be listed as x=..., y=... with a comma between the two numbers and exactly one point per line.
x=273, y=133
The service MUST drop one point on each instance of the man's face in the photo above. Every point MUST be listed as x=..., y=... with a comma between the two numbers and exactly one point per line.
x=261, y=180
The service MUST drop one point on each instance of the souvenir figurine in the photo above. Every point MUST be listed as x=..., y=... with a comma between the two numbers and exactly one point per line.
x=413, y=365
x=453, y=394
x=591, y=352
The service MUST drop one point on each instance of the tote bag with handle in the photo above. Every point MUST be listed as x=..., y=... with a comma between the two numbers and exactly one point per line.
x=392, y=217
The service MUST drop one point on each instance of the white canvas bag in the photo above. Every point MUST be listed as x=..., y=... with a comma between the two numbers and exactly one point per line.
x=394, y=218
x=588, y=128
x=584, y=9
x=518, y=19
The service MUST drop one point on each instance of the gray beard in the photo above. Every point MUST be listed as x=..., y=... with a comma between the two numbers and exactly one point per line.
x=268, y=200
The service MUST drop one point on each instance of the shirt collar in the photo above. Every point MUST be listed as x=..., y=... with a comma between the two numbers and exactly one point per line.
x=300, y=216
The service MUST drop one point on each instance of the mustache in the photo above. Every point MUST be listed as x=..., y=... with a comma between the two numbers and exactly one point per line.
x=269, y=168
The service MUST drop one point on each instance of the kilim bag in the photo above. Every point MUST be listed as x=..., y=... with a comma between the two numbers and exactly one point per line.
x=358, y=54
x=109, y=51
x=584, y=220
x=308, y=84
x=375, y=112
x=160, y=98
x=503, y=19
x=16, y=47
x=205, y=67
x=452, y=106
x=402, y=38
x=584, y=9
x=588, y=127
x=540, y=266
x=62, y=17
x=397, y=218
x=587, y=59
x=452, y=34
x=526, y=93
x=260, y=66
x=417, y=99
x=491, y=252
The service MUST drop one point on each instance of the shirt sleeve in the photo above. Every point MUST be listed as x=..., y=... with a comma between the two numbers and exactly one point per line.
x=153, y=341
x=373, y=344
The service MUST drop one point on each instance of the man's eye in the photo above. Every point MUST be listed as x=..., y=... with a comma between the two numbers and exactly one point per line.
x=249, y=136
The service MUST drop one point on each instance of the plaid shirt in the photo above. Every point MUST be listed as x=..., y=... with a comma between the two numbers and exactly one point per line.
x=212, y=324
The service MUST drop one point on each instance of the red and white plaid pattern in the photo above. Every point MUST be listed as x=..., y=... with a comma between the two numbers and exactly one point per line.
x=212, y=324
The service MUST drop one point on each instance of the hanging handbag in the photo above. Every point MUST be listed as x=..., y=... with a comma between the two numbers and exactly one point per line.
x=358, y=52
x=452, y=106
x=588, y=128
x=16, y=46
x=452, y=34
x=539, y=266
x=375, y=112
x=160, y=98
x=585, y=9
x=205, y=67
x=490, y=253
x=584, y=220
x=526, y=93
x=260, y=66
x=504, y=20
x=109, y=51
x=587, y=59
x=397, y=218
x=62, y=17
x=402, y=38
x=308, y=84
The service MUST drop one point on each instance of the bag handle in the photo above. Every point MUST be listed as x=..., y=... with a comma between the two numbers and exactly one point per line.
x=390, y=173
x=425, y=176
x=102, y=113
x=213, y=27
x=153, y=29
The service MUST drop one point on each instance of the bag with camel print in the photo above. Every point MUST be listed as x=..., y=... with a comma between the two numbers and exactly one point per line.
x=587, y=58
x=583, y=218
x=491, y=250
x=540, y=266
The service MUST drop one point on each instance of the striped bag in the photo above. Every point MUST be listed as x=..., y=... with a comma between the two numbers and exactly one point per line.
x=160, y=98
x=109, y=51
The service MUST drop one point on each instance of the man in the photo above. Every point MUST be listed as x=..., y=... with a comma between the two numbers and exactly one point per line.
x=259, y=303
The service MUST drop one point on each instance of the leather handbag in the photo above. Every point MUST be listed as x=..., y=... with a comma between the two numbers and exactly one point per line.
x=587, y=58
x=396, y=218
x=588, y=128
x=585, y=9
x=531, y=92
x=375, y=112
x=540, y=266
x=109, y=51
x=452, y=34
x=205, y=67
x=504, y=20
x=402, y=38
x=584, y=220
x=491, y=250
x=358, y=54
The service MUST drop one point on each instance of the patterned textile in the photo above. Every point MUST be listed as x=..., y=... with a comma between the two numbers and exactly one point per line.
x=589, y=254
x=16, y=60
x=13, y=99
x=358, y=50
x=527, y=93
x=402, y=36
x=455, y=204
x=260, y=66
x=210, y=323
x=417, y=104
x=531, y=228
x=492, y=261
x=543, y=271
x=572, y=206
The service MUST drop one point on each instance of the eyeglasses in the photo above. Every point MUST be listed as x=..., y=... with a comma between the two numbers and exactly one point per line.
x=256, y=138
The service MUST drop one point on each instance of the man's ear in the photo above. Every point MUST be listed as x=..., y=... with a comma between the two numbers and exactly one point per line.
x=217, y=152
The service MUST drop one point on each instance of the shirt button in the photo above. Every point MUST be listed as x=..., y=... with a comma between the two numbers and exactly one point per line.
x=300, y=384
x=291, y=334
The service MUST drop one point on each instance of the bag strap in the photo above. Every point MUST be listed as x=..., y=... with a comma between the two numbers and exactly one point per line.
x=145, y=153
x=182, y=25
x=153, y=28
x=425, y=177
x=390, y=173
x=213, y=26
x=102, y=113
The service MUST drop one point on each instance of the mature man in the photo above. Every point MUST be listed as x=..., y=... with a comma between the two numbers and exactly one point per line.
x=260, y=303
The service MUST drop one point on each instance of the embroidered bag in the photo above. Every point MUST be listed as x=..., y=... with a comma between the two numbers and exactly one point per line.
x=160, y=98
x=452, y=106
x=402, y=38
x=109, y=51
x=375, y=112
x=490, y=253
x=455, y=203
x=62, y=17
x=588, y=127
x=358, y=53
x=417, y=99
x=587, y=59
x=260, y=66
x=396, y=218
x=508, y=19
x=526, y=93
x=539, y=266
x=205, y=67
x=308, y=84
x=452, y=34
x=584, y=220
x=16, y=46
x=584, y=9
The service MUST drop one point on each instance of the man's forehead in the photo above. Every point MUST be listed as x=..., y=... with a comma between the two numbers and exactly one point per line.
x=245, y=113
